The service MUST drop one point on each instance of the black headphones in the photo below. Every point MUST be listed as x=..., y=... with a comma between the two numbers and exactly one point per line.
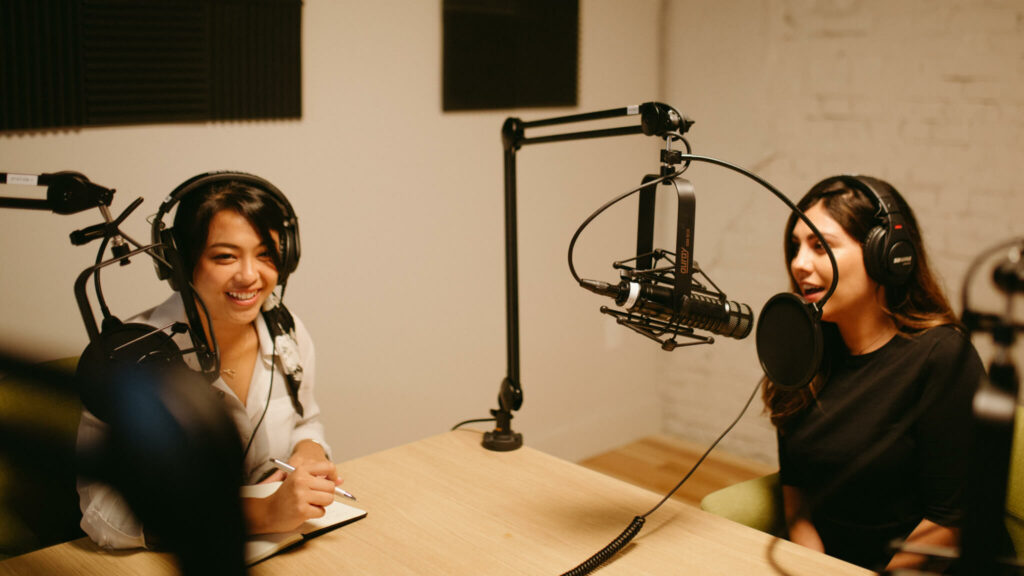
x=790, y=342
x=889, y=253
x=289, y=240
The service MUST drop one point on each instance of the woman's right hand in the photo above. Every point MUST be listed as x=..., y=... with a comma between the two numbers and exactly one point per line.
x=303, y=495
x=804, y=533
x=801, y=530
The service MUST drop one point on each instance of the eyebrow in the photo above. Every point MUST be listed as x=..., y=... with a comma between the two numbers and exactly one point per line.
x=231, y=246
x=827, y=236
x=222, y=245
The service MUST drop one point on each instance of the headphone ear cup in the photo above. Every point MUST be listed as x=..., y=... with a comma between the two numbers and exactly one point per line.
x=163, y=271
x=875, y=255
x=289, y=251
x=900, y=261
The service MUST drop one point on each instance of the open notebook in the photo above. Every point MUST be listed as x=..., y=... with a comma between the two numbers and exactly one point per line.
x=263, y=546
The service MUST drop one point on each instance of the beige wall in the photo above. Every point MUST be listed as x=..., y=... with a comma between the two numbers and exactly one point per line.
x=928, y=95
x=402, y=273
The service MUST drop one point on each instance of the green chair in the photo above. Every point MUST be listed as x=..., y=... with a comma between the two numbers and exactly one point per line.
x=758, y=503
x=1015, y=488
x=38, y=497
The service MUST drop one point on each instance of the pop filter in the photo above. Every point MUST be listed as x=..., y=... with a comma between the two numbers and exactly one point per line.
x=118, y=346
x=789, y=341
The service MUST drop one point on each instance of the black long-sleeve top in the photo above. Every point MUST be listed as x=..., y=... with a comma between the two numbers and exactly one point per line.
x=918, y=387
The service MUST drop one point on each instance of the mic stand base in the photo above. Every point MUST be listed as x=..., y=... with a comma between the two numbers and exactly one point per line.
x=502, y=441
x=502, y=438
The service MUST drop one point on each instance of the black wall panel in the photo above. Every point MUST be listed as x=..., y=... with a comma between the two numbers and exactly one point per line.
x=510, y=53
x=68, y=63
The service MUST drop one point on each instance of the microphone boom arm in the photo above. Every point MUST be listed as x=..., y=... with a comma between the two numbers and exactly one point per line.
x=66, y=192
x=656, y=119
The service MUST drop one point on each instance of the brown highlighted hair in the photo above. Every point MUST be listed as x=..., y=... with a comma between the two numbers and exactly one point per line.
x=914, y=307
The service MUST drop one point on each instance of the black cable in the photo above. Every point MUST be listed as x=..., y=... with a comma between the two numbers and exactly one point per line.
x=708, y=451
x=102, y=301
x=607, y=205
x=273, y=368
x=764, y=183
x=209, y=326
x=104, y=309
x=464, y=422
x=820, y=304
x=590, y=564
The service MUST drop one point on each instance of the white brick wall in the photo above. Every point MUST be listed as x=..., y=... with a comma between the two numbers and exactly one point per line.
x=928, y=95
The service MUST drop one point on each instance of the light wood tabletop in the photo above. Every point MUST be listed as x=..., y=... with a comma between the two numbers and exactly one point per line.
x=444, y=505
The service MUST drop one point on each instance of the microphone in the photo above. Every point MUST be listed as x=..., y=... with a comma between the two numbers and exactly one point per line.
x=700, y=310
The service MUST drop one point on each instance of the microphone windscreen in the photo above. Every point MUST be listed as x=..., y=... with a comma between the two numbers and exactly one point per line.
x=789, y=341
x=119, y=346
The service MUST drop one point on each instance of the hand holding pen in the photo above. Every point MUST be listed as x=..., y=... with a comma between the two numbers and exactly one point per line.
x=289, y=469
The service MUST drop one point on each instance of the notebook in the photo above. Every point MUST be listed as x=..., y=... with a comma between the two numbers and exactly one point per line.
x=262, y=546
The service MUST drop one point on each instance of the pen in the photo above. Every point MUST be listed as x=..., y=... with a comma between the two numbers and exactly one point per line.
x=289, y=468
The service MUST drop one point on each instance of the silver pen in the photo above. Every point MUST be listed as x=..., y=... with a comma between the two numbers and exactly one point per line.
x=289, y=468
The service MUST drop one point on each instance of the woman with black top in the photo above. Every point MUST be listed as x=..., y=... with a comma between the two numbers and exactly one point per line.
x=896, y=362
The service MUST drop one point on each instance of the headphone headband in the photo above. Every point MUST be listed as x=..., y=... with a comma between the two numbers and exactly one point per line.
x=289, y=240
x=889, y=253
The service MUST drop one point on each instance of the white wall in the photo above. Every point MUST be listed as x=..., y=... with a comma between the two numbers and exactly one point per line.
x=927, y=95
x=402, y=273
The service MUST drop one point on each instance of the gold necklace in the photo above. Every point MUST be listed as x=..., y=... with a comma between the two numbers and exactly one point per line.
x=863, y=350
x=231, y=372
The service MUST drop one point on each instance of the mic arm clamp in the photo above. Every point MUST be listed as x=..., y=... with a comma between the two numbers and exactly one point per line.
x=110, y=228
x=502, y=438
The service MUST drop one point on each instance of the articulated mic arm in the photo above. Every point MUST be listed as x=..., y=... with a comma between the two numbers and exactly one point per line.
x=656, y=119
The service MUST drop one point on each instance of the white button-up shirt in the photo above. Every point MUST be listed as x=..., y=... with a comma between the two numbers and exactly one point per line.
x=106, y=517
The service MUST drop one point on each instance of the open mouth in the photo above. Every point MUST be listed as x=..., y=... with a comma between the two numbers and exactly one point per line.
x=243, y=297
x=812, y=290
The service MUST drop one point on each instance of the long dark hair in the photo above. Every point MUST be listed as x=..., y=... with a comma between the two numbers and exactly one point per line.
x=196, y=210
x=914, y=307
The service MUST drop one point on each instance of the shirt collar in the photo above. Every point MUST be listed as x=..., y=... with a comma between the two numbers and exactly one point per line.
x=173, y=310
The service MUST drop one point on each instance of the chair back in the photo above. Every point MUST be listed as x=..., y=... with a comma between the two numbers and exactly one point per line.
x=38, y=497
x=756, y=503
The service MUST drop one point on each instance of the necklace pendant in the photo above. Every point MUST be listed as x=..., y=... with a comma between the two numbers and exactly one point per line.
x=228, y=372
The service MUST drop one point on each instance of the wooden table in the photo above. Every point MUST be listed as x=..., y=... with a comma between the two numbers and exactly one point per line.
x=445, y=505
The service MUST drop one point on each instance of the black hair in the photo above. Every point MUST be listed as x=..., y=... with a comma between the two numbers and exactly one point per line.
x=197, y=209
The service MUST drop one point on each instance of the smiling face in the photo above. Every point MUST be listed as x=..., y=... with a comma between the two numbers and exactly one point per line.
x=235, y=272
x=856, y=293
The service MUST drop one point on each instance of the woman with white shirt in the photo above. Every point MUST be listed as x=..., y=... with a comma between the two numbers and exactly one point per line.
x=237, y=238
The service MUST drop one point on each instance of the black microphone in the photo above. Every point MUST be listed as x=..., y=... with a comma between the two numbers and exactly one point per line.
x=700, y=310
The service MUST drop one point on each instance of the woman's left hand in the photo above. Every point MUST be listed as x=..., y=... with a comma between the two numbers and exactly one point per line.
x=309, y=452
x=306, y=452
